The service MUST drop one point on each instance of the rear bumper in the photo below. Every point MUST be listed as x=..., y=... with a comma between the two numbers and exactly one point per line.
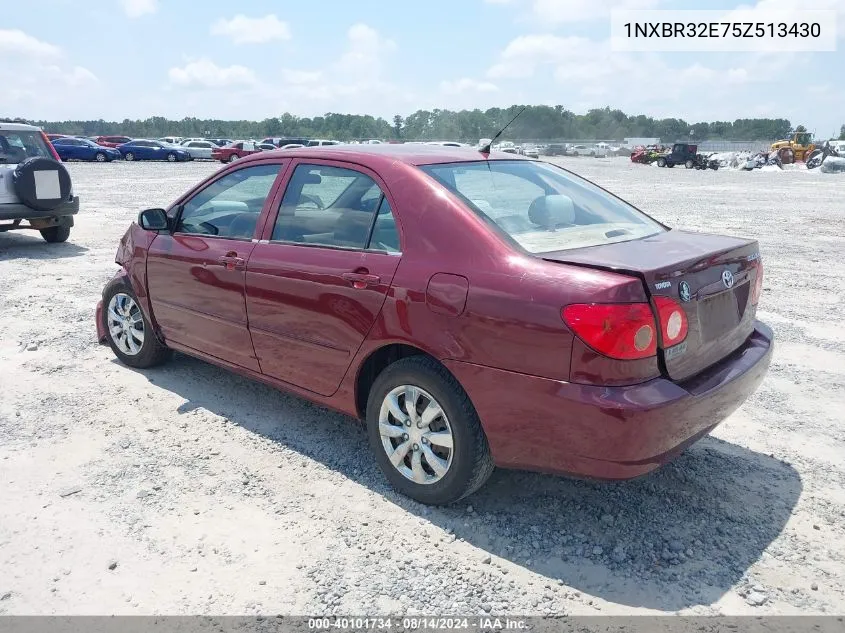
x=17, y=211
x=608, y=432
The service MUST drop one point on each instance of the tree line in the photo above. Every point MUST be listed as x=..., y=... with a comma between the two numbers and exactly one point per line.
x=547, y=123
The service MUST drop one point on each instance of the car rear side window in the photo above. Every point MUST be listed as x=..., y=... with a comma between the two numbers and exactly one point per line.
x=18, y=145
x=541, y=207
x=336, y=207
x=230, y=206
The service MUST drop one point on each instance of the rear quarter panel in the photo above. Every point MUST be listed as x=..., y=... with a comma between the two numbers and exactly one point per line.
x=511, y=318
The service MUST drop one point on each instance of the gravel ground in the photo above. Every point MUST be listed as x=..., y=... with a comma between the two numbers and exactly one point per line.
x=187, y=489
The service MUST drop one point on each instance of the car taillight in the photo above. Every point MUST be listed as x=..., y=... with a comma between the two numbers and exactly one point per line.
x=758, y=284
x=50, y=147
x=673, y=321
x=624, y=331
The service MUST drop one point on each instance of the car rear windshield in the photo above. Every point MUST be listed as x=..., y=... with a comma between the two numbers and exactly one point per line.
x=16, y=146
x=541, y=207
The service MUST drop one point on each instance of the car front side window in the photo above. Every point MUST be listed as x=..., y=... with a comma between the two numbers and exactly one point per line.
x=230, y=206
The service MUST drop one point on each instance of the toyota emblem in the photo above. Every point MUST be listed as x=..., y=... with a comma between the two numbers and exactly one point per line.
x=728, y=279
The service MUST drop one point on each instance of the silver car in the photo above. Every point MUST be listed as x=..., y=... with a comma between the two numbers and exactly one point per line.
x=199, y=149
x=35, y=188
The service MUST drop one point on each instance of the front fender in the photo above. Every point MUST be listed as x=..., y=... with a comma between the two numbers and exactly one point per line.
x=120, y=277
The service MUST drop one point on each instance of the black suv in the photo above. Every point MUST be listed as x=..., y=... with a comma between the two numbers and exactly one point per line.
x=681, y=154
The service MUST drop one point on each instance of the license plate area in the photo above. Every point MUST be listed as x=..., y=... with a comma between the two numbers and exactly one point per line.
x=718, y=315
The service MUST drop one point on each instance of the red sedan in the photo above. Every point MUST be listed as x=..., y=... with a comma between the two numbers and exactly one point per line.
x=112, y=141
x=234, y=151
x=475, y=310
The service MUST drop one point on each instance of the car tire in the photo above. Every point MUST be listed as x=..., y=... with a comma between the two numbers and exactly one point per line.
x=689, y=164
x=233, y=158
x=56, y=234
x=100, y=157
x=149, y=351
x=661, y=162
x=129, y=156
x=468, y=462
x=172, y=158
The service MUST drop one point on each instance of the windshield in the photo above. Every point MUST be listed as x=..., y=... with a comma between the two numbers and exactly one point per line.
x=541, y=207
x=18, y=145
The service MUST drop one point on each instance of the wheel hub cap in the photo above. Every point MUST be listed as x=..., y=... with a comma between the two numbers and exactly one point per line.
x=125, y=324
x=416, y=434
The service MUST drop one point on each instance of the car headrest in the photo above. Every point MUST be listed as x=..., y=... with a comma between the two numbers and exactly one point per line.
x=552, y=210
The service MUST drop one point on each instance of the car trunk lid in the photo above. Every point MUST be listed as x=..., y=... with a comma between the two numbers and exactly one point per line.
x=710, y=276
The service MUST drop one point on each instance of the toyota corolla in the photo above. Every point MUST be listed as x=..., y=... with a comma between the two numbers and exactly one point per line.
x=475, y=310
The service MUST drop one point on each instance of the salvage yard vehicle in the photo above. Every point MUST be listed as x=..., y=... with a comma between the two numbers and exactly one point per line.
x=801, y=145
x=35, y=187
x=199, y=149
x=681, y=154
x=112, y=141
x=473, y=309
x=647, y=155
x=234, y=151
x=145, y=149
x=69, y=148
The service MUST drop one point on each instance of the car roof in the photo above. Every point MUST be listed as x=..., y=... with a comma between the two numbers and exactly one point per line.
x=388, y=153
x=19, y=127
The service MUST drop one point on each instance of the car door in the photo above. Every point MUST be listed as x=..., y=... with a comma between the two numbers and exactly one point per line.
x=63, y=148
x=83, y=150
x=317, y=281
x=195, y=274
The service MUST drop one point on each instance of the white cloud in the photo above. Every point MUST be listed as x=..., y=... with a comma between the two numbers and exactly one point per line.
x=465, y=85
x=554, y=12
x=525, y=53
x=16, y=42
x=351, y=83
x=590, y=75
x=72, y=77
x=36, y=64
x=365, y=52
x=243, y=30
x=301, y=77
x=204, y=73
x=560, y=11
x=138, y=8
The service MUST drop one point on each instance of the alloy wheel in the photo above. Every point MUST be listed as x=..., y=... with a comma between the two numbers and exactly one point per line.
x=125, y=323
x=415, y=434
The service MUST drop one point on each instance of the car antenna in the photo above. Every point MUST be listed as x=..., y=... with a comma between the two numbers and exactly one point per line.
x=486, y=148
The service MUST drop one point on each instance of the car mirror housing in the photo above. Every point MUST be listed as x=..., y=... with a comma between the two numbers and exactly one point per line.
x=153, y=220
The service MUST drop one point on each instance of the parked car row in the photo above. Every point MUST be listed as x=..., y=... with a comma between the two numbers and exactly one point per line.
x=170, y=148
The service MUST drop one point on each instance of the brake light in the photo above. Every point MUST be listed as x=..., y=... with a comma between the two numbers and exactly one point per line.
x=50, y=147
x=758, y=284
x=674, y=324
x=624, y=331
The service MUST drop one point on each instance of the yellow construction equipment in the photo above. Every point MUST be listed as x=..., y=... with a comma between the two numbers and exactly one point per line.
x=801, y=145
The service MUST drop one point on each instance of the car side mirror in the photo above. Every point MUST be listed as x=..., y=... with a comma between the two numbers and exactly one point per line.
x=153, y=220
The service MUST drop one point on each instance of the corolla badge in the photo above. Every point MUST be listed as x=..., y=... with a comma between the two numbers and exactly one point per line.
x=684, y=291
x=728, y=279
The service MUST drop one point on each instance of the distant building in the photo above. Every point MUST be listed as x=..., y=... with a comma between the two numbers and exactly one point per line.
x=634, y=141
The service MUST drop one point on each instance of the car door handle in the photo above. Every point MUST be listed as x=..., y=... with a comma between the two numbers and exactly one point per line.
x=361, y=280
x=231, y=261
